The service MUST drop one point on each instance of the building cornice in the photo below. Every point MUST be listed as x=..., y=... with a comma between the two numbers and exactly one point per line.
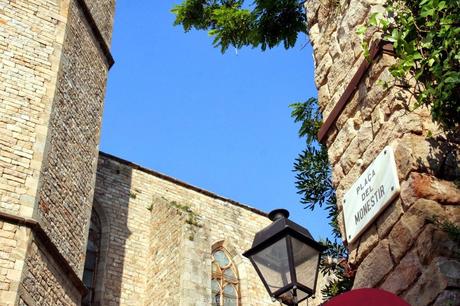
x=96, y=32
x=183, y=184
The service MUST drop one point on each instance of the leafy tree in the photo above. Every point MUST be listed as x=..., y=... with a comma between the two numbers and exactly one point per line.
x=265, y=24
x=425, y=33
x=314, y=184
x=426, y=39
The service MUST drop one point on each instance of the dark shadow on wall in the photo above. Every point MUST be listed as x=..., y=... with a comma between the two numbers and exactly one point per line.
x=443, y=157
x=111, y=202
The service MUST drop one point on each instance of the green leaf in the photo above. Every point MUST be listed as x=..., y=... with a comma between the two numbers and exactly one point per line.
x=373, y=20
x=361, y=30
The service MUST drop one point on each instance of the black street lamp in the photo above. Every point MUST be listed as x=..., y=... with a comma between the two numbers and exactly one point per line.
x=286, y=258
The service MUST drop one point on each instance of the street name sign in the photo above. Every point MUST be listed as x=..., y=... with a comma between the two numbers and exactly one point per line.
x=372, y=192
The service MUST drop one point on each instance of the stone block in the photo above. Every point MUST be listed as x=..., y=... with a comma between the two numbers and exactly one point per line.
x=448, y=298
x=363, y=245
x=432, y=243
x=420, y=185
x=388, y=218
x=323, y=96
x=407, y=229
x=441, y=274
x=377, y=119
x=312, y=8
x=374, y=267
x=453, y=213
x=343, y=139
x=322, y=70
x=356, y=14
x=404, y=274
x=365, y=136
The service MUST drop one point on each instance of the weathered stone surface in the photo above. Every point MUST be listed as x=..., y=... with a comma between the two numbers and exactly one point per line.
x=432, y=243
x=453, y=213
x=365, y=136
x=404, y=274
x=67, y=178
x=364, y=245
x=347, y=181
x=312, y=7
x=403, y=158
x=448, y=298
x=442, y=273
x=352, y=108
x=323, y=69
x=331, y=135
x=355, y=14
x=377, y=119
x=343, y=68
x=338, y=175
x=323, y=96
x=103, y=14
x=344, y=137
x=374, y=117
x=29, y=63
x=388, y=218
x=374, y=267
x=421, y=185
x=14, y=241
x=375, y=71
x=45, y=282
x=405, y=232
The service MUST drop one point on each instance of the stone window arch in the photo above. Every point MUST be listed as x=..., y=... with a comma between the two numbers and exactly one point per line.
x=93, y=251
x=96, y=257
x=225, y=284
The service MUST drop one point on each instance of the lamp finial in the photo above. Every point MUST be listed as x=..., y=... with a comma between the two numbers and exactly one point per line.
x=278, y=214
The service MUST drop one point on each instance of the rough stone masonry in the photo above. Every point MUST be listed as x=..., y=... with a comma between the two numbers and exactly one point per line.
x=155, y=234
x=401, y=251
x=54, y=60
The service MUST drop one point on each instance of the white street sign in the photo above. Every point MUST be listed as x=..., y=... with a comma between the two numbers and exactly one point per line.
x=370, y=194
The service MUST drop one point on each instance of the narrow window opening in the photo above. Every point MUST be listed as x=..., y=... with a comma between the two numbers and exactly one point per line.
x=92, y=258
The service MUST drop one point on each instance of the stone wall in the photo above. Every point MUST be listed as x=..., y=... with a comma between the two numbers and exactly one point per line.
x=126, y=236
x=103, y=13
x=31, y=37
x=167, y=244
x=151, y=230
x=45, y=282
x=14, y=240
x=400, y=252
x=68, y=174
x=53, y=69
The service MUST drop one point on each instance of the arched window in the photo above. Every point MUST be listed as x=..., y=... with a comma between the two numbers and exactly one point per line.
x=224, y=283
x=92, y=258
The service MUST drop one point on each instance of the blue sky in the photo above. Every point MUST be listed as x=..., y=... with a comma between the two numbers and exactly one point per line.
x=218, y=121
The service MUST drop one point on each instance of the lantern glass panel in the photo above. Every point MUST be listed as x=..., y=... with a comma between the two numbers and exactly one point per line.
x=273, y=264
x=305, y=263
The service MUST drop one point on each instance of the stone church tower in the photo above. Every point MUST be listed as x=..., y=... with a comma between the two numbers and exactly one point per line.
x=54, y=59
x=79, y=227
